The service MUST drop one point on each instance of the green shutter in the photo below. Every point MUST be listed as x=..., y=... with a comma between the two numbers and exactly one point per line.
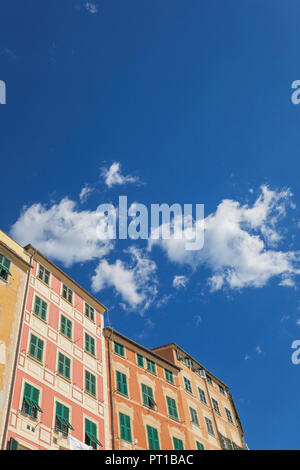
x=140, y=361
x=64, y=365
x=40, y=308
x=169, y=376
x=90, y=383
x=151, y=366
x=13, y=444
x=119, y=349
x=89, y=344
x=200, y=446
x=4, y=267
x=31, y=400
x=62, y=418
x=121, y=380
x=36, y=347
x=125, y=429
x=202, y=395
x=172, y=408
x=194, y=416
x=147, y=395
x=153, y=442
x=178, y=444
x=66, y=326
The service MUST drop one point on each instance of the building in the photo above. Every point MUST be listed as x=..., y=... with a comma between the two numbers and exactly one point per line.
x=14, y=276
x=59, y=398
x=144, y=396
x=208, y=408
x=164, y=399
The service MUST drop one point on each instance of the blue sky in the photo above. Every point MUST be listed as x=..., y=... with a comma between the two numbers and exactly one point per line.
x=193, y=101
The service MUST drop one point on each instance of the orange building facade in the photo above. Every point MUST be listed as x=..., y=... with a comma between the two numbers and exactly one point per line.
x=164, y=399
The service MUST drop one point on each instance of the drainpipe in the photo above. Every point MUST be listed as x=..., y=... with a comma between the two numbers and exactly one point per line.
x=213, y=411
x=111, y=394
x=16, y=356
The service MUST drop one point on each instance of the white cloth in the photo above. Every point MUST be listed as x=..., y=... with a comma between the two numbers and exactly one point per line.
x=75, y=444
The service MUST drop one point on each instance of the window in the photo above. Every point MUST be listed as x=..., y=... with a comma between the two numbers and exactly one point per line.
x=229, y=416
x=43, y=274
x=222, y=390
x=67, y=293
x=178, y=444
x=147, y=395
x=40, y=308
x=30, y=404
x=209, y=426
x=62, y=423
x=121, y=380
x=188, y=361
x=36, y=347
x=187, y=385
x=140, y=360
x=172, y=408
x=90, y=383
x=194, y=416
x=89, y=344
x=216, y=406
x=153, y=442
x=169, y=376
x=199, y=445
x=64, y=366
x=89, y=312
x=202, y=395
x=209, y=380
x=4, y=267
x=125, y=429
x=151, y=367
x=90, y=435
x=119, y=349
x=229, y=444
x=222, y=441
x=66, y=326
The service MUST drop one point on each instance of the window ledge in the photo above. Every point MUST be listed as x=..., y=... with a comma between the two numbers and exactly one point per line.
x=58, y=374
x=40, y=318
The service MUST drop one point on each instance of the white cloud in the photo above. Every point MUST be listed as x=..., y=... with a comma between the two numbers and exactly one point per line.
x=246, y=357
x=258, y=349
x=180, y=281
x=240, y=244
x=85, y=193
x=63, y=232
x=113, y=176
x=135, y=281
x=298, y=322
x=198, y=320
x=91, y=7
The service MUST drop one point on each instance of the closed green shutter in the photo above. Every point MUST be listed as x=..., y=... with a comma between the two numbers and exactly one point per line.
x=194, y=416
x=121, y=383
x=202, y=395
x=64, y=366
x=153, y=442
x=140, y=360
x=90, y=383
x=125, y=429
x=151, y=366
x=40, y=308
x=172, y=408
x=36, y=347
x=200, y=446
x=119, y=349
x=178, y=444
x=89, y=344
x=169, y=376
x=66, y=326
x=13, y=444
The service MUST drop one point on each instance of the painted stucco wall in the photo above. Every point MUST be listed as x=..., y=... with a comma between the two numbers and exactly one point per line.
x=12, y=294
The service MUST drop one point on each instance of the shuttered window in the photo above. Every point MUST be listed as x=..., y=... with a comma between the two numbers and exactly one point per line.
x=66, y=326
x=62, y=423
x=178, y=444
x=4, y=267
x=153, y=441
x=125, y=429
x=89, y=344
x=30, y=404
x=90, y=437
x=172, y=408
x=40, y=308
x=121, y=380
x=147, y=394
x=36, y=347
x=64, y=366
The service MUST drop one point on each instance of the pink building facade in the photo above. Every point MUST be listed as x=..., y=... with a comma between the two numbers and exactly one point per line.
x=59, y=398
